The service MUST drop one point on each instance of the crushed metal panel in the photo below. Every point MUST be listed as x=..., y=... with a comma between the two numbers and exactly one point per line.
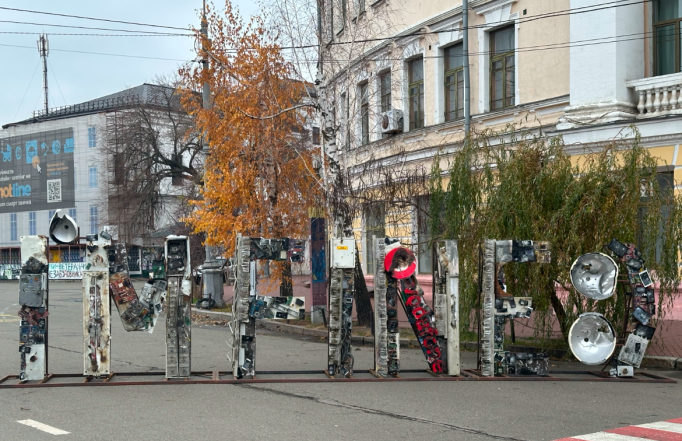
x=96, y=324
x=137, y=313
x=127, y=303
x=33, y=298
x=448, y=258
x=240, y=312
x=340, y=356
x=633, y=351
x=341, y=289
x=392, y=326
x=277, y=307
x=32, y=289
x=380, y=312
x=178, y=307
x=178, y=330
x=488, y=310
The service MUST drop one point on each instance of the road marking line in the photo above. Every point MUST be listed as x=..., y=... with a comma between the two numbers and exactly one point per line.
x=604, y=436
x=663, y=425
x=670, y=430
x=43, y=427
x=642, y=432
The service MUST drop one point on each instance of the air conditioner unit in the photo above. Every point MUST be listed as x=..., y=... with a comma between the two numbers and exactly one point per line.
x=392, y=121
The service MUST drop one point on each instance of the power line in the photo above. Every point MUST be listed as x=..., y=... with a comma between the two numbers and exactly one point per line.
x=26, y=91
x=55, y=80
x=97, y=35
x=562, y=45
x=581, y=10
x=92, y=18
x=87, y=27
x=101, y=53
x=617, y=3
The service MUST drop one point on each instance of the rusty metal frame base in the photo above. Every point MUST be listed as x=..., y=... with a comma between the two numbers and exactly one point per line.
x=225, y=377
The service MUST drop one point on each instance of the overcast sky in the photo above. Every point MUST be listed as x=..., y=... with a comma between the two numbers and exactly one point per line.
x=76, y=77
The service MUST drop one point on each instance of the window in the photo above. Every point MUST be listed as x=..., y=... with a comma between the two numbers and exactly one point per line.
x=364, y=112
x=93, y=220
x=32, y=223
x=454, y=83
x=345, y=111
x=359, y=7
x=329, y=18
x=502, y=69
x=416, y=93
x=118, y=168
x=177, y=176
x=92, y=137
x=316, y=136
x=340, y=16
x=72, y=213
x=385, y=91
x=667, y=36
x=13, y=227
x=92, y=177
x=375, y=219
x=50, y=214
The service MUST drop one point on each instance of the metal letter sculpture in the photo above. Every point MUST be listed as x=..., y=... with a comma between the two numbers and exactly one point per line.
x=341, y=289
x=178, y=308
x=594, y=275
x=33, y=298
x=498, y=306
x=247, y=305
x=395, y=283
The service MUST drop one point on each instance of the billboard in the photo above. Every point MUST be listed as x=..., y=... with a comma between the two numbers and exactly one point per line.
x=36, y=172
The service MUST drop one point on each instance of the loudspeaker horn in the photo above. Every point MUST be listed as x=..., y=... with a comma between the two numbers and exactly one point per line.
x=592, y=338
x=63, y=229
x=594, y=275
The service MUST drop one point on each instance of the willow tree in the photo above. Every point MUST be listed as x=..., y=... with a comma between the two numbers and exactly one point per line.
x=516, y=185
x=259, y=178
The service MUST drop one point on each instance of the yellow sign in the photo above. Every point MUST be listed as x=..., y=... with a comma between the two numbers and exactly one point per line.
x=341, y=247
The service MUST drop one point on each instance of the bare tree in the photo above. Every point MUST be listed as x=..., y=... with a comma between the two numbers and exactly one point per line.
x=154, y=162
x=346, y=45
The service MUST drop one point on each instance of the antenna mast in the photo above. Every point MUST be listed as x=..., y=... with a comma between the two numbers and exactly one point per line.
x=44, y=50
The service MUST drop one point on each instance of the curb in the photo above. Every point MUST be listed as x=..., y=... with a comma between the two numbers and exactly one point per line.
x=277, y=326
x=659, y=362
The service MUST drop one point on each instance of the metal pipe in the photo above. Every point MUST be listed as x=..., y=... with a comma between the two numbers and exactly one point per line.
x=465, y=53
x=468, y=375
x=211, y=271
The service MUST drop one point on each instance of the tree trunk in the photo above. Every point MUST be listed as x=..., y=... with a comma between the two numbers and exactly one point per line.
x=559, y=311
x=286, y=288
x=363, y=306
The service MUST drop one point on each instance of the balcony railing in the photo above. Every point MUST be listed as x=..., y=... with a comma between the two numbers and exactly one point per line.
x=658, y=96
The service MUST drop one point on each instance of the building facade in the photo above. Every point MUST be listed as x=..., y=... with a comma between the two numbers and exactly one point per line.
x=68, y=145
x=586, y=70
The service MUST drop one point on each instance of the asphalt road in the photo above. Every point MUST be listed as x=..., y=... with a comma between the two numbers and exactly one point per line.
x=359, y=411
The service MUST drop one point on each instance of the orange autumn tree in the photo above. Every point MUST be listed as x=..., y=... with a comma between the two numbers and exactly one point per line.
x=259, y=178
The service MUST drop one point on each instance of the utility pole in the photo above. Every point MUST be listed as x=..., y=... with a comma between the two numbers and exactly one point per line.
x=211, y=272
x=44, y=50
x=465, y=50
